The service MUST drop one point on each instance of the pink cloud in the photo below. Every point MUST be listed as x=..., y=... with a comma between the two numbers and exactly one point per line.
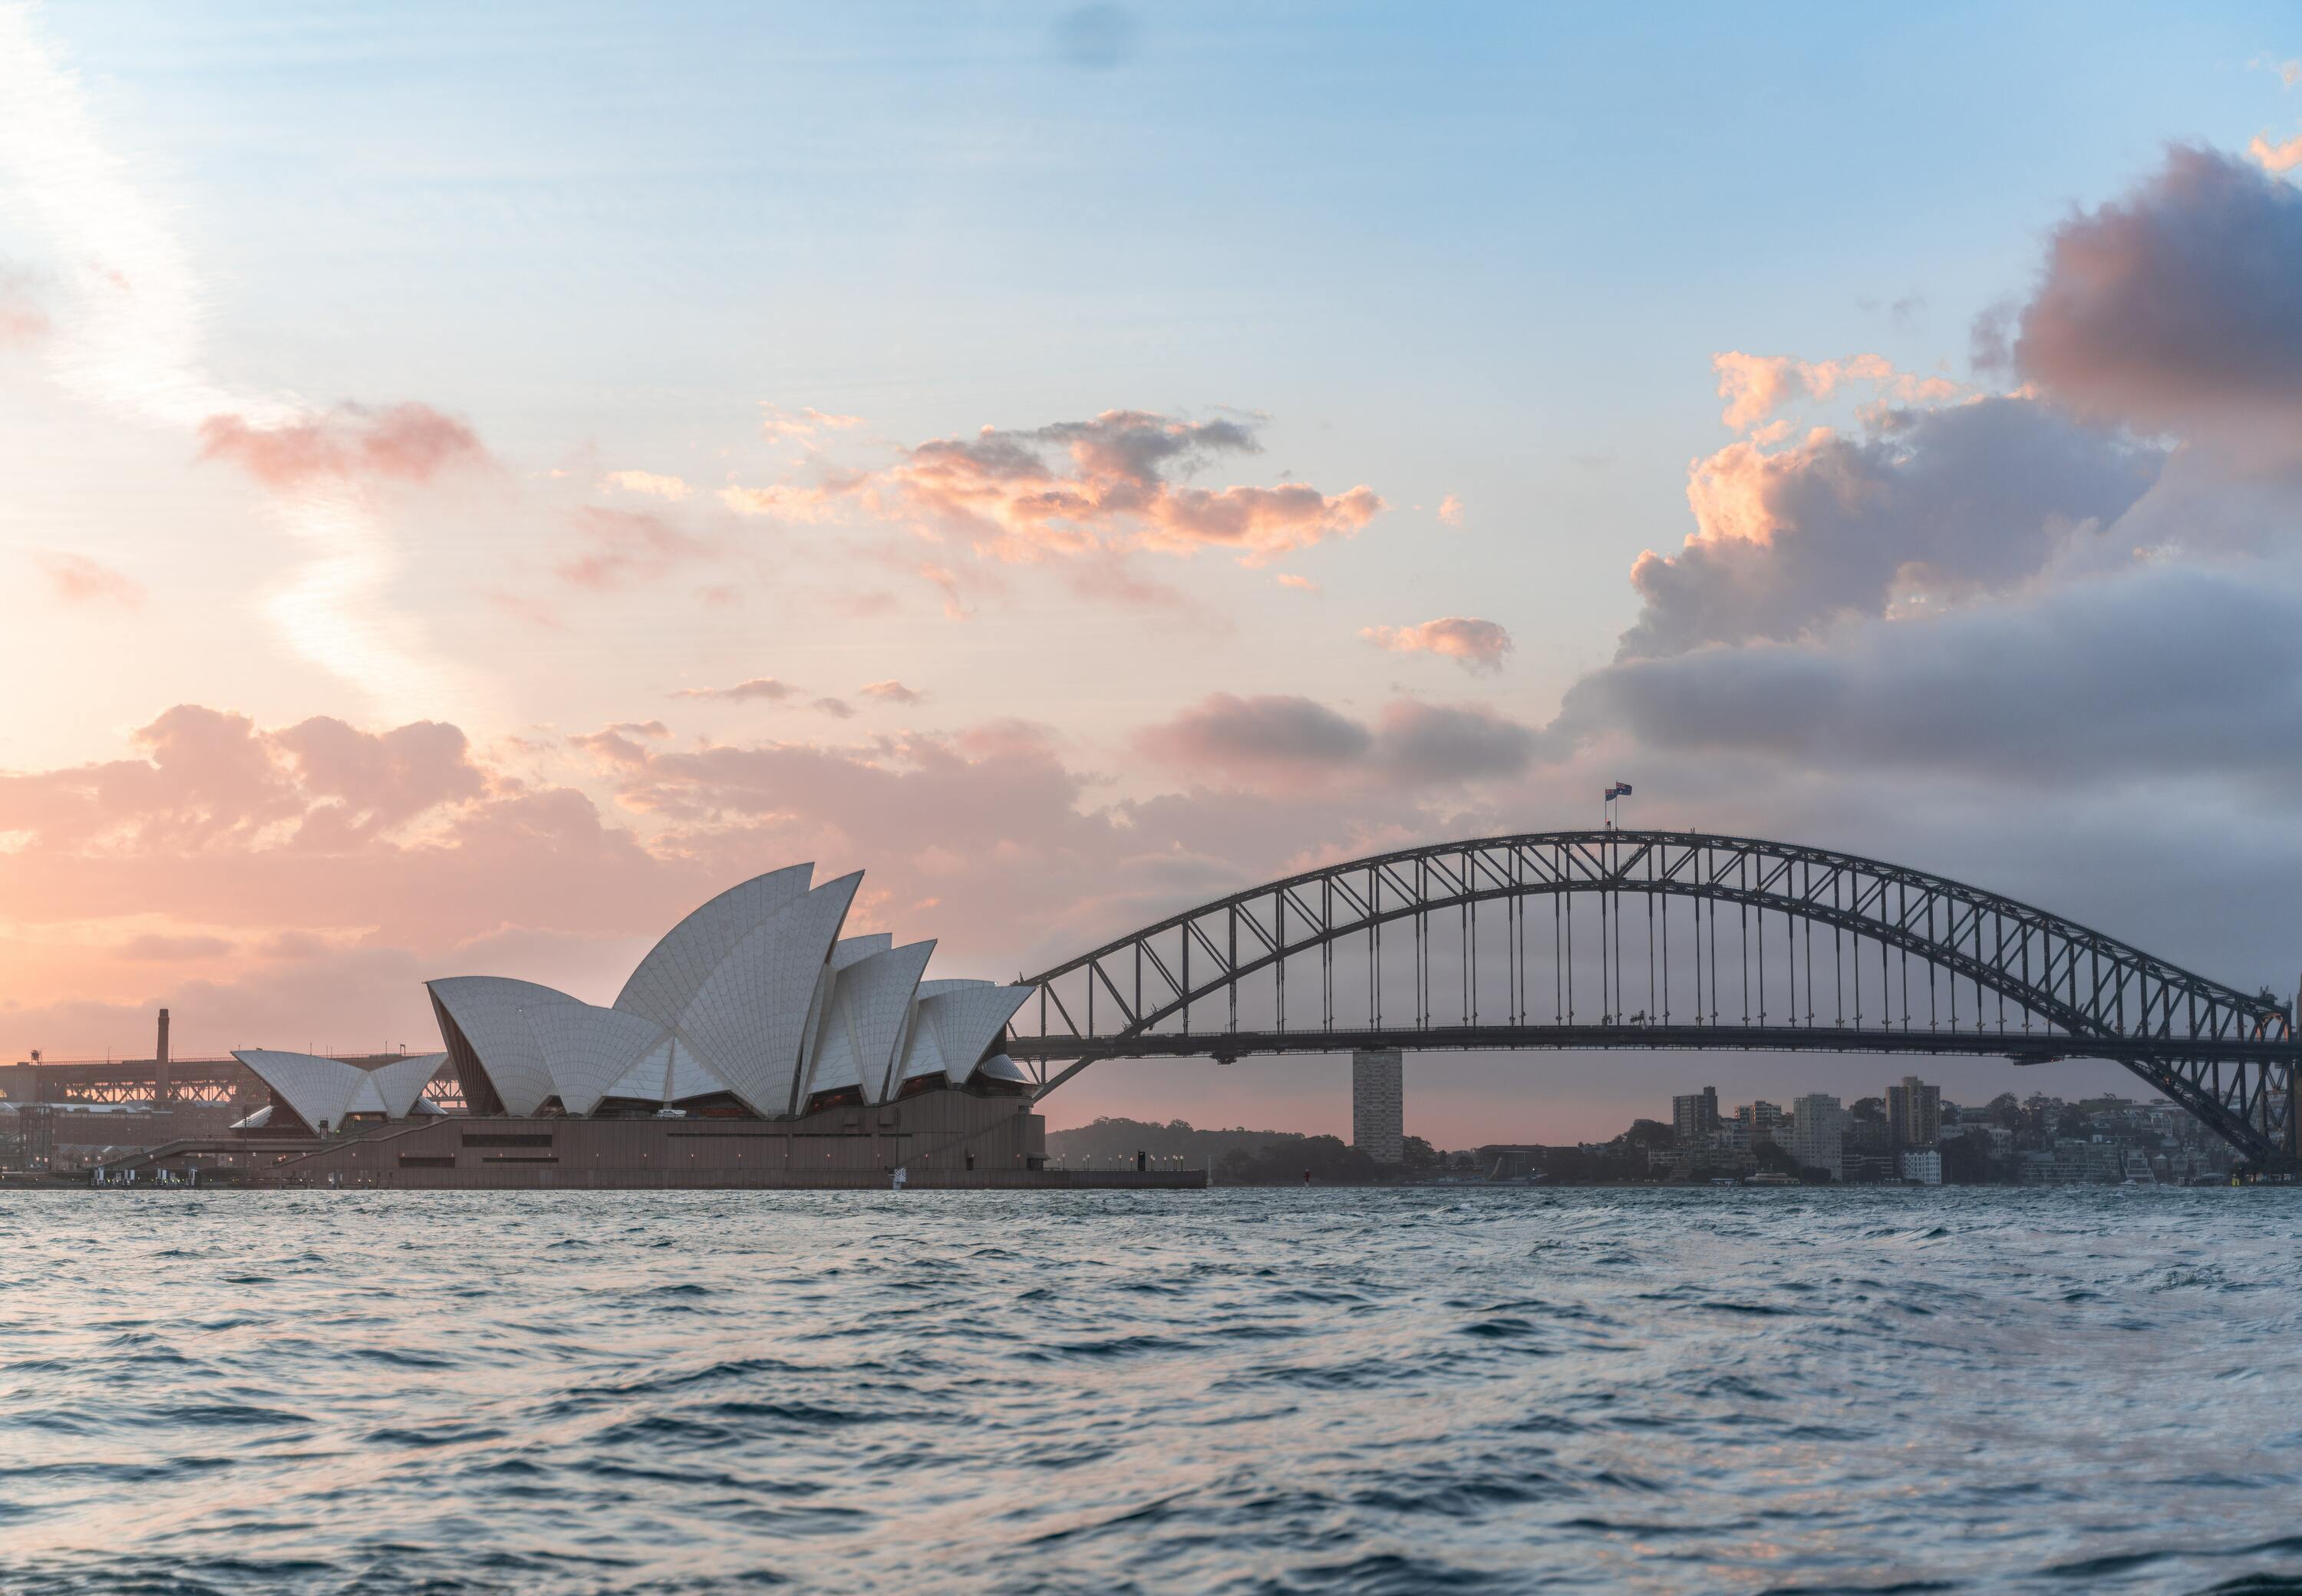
x=77, y=579
x=1299, y=584
x=1474, y=644
x=1755, y=386
x=629, y=547
x=789, y=502
x=1450, y=510
x=890, y=692
x=649, y=482
x=778, y=425
x=408, y=442
x=1073, y=487
x=2276, y=157
x=945, y=581
x=758, y=687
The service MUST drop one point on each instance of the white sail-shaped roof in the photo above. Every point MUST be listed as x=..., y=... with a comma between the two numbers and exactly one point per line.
x=490, y=1012
x=863, y=1023
x=749, y=1019
x=319, y=1090
x=847, y=950
x=400, y=1084
x=966, y=1020
x=1000, y=1067
x=756, y=995
x=670, y=1073
x=675, y=969
x=936, y=988
x=587, y=1049
x=919, y=1055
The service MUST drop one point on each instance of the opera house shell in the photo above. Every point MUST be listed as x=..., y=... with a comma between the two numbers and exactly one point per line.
x=752, y=1008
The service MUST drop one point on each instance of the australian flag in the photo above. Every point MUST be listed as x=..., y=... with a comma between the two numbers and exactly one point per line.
x=1621, y=789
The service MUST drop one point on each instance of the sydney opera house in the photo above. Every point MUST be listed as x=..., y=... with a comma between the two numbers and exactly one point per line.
x=754, y=1045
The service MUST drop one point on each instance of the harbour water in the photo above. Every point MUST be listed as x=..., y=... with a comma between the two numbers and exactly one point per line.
x=1237, y=1391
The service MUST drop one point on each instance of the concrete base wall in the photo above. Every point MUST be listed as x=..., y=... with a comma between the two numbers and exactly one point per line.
x=942, y=1138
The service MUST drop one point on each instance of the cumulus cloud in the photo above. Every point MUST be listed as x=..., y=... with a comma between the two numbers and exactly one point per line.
x=1300, y=583
x=652, y=485
x=838, y=709
x=1450, y=510
x=891, y=692
x=1755, y=386
x=1474, y=644
x=621, y=744
x=1072, y=487
x=408, y=442
x=628, y=547
x=202, y=781
x=2276, y=157
x=2178, y=308
x=77, y=579
x=758, y=687
x=1974, y=498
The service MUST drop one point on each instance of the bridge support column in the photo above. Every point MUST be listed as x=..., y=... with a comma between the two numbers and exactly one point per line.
x=1378, y=1103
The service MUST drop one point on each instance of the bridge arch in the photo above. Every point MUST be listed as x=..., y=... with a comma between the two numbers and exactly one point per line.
x=2058, y=988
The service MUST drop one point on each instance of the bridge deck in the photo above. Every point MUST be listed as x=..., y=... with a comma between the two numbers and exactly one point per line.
x=2034, y=1048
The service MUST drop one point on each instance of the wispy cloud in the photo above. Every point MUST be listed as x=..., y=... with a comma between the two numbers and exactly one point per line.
x=77, y=579
x=409, y=443
x=649, y=482
x=759, y=687
x=127, y=334
x=778, y=425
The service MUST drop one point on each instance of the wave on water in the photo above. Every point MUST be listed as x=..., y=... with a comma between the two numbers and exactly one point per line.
x=1268, y=1392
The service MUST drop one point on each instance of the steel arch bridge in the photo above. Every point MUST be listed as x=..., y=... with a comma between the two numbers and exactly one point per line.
x=1654, y=940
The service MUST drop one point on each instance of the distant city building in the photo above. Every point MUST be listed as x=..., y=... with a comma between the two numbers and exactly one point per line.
x=1694, y=1115
x=1378, y=1106
x=1818, y=1133
x=2074, y=1162
x=1867, y=1156
x=1914, y=1114
x=1922, y=1165
x=1761, y=1123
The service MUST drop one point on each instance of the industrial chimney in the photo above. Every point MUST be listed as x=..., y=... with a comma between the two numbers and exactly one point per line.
x=162, y=1056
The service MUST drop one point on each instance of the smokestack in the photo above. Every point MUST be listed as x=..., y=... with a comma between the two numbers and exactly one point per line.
x=162, y=1056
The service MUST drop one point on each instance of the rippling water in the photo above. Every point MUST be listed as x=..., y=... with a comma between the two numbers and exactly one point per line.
x=1233, y=1390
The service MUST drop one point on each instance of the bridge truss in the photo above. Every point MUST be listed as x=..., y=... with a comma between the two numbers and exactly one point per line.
x=1653, y=940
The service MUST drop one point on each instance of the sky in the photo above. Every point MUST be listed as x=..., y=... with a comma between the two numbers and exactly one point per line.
x=476, y=482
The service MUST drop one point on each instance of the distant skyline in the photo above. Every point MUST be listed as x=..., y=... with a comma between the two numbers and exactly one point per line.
x=474, y=484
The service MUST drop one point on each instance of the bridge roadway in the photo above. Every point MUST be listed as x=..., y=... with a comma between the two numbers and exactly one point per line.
x=2035, y=1048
